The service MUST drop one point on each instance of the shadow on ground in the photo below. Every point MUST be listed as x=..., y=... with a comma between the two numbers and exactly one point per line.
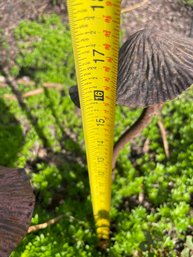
x=11, y=136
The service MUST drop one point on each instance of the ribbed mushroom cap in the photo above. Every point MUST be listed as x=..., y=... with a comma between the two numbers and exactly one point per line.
x=16, y=208
x=154, y=67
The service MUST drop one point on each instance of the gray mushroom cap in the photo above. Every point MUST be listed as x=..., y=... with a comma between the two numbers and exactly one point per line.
x=153, y=67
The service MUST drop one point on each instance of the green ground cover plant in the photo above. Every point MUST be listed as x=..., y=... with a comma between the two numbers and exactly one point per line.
x=188, y=2
x=152, y=196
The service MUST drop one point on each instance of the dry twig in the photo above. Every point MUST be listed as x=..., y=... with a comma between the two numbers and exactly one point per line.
x=133, y=7
x=34, y=92
x=164, y=137
x=146, y=146
x=28, y=82
x=44, y=225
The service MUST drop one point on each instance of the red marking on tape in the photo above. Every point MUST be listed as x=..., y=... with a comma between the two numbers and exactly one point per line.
x=107, y=19
x=107, y=33
x=107, y=69
x=109, y=59
x=106, y=79
x=107, y=46
x=108, y=3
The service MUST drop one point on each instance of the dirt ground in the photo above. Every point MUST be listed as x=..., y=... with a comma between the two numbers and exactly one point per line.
x=167, y=15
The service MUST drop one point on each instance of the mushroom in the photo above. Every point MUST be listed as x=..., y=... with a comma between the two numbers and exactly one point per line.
x=153, y=67
x=16, y=208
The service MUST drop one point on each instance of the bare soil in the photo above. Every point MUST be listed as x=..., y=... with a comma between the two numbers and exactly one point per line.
x=168, y=15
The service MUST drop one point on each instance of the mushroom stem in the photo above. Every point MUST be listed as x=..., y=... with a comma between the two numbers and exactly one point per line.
x=142, y=122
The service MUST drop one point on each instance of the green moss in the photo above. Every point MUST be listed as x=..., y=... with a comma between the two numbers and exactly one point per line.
x=45, y=50
x=188, y=2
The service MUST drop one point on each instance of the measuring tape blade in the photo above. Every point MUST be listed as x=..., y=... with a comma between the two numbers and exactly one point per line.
x=95, y=36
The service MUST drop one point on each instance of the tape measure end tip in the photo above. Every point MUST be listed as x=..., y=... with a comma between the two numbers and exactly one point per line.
x=103, y=243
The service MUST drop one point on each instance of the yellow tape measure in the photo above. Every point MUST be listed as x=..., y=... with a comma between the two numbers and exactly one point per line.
x=95, y=36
